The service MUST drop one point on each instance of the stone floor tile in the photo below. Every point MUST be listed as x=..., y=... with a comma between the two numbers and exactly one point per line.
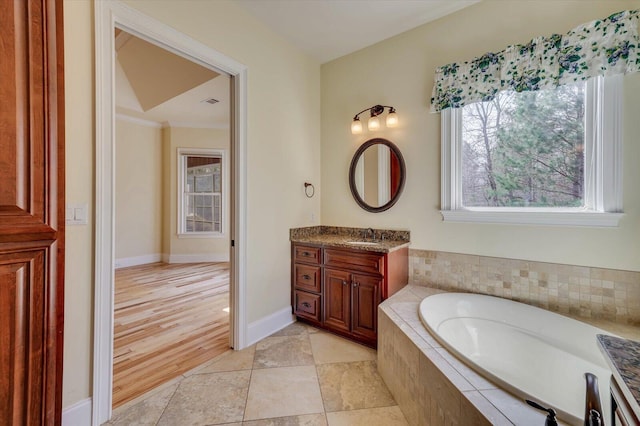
x=292, y=330
x=328, y=348
x=284, y=391
x=229, y=361
x=384, y=416
x=204, y=399
x=305, y=420
x=352, y=385
x=146, y=412
x=283, y=351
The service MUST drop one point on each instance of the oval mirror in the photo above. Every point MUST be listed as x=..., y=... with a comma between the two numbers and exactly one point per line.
x=376, y=175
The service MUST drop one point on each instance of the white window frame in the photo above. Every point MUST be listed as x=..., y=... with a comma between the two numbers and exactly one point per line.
x=603, y=168
x=182, y=169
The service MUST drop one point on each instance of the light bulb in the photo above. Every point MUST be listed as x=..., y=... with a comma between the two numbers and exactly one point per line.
x=356, y=126
x=392, y=119
x=373, y=124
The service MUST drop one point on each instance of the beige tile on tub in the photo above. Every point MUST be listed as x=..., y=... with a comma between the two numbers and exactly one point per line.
x=199, y=399
x=384, y=416
x=283, y=391
x=353, y=385
x=514, y=408
x=328, y=348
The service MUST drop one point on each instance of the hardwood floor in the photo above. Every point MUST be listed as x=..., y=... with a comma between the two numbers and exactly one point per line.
x=168, y=319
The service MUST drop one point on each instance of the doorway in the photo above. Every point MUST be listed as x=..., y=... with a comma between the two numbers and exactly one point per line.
x=109, y=17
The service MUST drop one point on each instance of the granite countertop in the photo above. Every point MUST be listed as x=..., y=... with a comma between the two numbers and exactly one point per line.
x=623, y=356
x=328, y=236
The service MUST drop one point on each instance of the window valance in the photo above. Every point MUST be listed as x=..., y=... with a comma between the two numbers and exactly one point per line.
x=603, y=47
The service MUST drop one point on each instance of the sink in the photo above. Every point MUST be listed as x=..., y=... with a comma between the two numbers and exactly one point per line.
x=362, y=243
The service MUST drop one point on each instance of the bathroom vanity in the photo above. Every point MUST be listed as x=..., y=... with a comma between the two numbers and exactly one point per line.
x=622, y=355
x=339, y=278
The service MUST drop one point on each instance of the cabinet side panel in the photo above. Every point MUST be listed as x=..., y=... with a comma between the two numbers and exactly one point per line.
x=398, y=272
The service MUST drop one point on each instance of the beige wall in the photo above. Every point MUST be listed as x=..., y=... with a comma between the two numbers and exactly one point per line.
x=182, y=137
x=79, y=140
x=283, y=138
x=138, y=190
x=400, y=71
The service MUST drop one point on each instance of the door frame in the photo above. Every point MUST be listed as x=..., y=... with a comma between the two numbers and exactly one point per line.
x=111, y=14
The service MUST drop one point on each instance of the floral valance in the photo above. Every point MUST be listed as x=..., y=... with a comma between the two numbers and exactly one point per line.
x=602, y=47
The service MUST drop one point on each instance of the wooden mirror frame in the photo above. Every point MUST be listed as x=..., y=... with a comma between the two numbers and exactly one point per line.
x=352, y=172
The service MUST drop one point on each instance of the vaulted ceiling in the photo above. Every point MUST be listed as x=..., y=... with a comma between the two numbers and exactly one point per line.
x=157, y=85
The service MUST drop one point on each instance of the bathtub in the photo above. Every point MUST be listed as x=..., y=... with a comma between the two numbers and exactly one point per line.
x=533, y=353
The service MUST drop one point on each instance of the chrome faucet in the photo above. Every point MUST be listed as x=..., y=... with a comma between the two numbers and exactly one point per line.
x=371, y=234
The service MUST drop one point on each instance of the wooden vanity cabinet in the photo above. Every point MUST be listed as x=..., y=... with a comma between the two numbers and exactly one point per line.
x=621, y=412
x=353, y=283
x=306, y=276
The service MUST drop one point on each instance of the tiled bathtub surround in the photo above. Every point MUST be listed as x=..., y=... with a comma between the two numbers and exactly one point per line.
x=430, y=385
x=595, y=293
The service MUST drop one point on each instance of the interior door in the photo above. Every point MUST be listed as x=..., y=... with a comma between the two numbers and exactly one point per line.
x=31, y=212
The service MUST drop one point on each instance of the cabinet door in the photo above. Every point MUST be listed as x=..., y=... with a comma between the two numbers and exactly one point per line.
x=337, y=299
x=366, y=298
x=31, y=212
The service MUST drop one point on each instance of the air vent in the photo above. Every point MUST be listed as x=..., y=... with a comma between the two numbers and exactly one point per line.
x=211, y=101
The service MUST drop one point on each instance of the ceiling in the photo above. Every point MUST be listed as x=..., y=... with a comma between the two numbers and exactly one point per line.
x=156, y=85
x=328, y=29
x=324, y=29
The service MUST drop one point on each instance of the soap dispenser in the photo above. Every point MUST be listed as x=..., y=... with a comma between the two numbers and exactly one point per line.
x=551, y=413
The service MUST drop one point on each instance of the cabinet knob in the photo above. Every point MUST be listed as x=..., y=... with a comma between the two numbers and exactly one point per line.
x=306, y=277
x=306, y=304
x=355, y=284
x=344, y=283
x=306, y=253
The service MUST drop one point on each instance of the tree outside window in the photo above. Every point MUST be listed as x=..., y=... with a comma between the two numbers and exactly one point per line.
x=525, y=149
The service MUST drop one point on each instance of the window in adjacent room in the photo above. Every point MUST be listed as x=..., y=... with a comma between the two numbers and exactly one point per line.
x=549, y=156
x=200, y=192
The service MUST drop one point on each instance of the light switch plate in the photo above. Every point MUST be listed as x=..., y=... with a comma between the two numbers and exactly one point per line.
x=76, y=214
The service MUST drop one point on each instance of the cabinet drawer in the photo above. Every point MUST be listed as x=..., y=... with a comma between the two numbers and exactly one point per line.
x=355, y=260
x=307, y=254
x=308, y=278
x=308, y=305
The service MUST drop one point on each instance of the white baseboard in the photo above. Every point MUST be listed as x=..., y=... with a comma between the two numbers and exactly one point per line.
x=195, y=258
x=137, y=260
x=268, y=325
x=78, y=414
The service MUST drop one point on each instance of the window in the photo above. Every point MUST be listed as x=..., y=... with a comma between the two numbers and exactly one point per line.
x=539, y=157
x=200, y=203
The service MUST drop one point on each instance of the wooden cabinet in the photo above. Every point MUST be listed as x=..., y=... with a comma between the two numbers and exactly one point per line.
x=621, y=412
x=337, y=300
x=366, y=297
x=31, y=212
x=352, y=282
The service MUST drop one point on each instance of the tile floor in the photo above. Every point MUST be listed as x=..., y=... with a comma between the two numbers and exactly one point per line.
x=297, y=376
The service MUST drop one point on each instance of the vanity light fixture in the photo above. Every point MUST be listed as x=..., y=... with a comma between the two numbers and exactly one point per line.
x=374, y=121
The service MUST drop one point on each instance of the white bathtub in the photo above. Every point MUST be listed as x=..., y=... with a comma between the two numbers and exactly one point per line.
x=533, y=353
